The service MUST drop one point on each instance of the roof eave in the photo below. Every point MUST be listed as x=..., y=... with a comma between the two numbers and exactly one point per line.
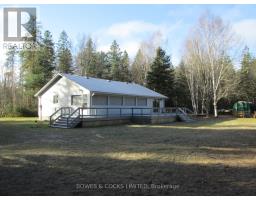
x=48, y=84
x=160, y=96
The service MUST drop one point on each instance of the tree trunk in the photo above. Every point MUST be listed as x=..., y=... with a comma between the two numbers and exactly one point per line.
x=215, y=105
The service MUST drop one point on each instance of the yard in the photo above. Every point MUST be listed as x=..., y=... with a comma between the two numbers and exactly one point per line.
x=211, y=157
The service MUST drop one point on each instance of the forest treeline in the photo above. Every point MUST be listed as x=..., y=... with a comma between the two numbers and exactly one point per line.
x=205, y=80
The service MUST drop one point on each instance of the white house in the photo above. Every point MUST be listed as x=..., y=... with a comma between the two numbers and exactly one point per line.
x=65, y=90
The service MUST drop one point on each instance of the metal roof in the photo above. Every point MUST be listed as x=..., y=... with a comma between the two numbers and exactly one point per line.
x=106, y=86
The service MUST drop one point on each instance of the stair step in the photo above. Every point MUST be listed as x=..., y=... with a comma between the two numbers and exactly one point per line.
x=60, y=122
x=58, y=126
x=185, y=118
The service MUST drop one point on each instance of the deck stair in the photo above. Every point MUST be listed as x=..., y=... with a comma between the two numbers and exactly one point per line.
x=65, y=118
x=184, y=114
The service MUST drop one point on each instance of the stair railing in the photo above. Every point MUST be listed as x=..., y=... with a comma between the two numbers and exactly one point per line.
x=74, y=118
x=63, y=111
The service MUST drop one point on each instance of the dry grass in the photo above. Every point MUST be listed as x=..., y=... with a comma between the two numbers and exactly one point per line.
x=211, y=157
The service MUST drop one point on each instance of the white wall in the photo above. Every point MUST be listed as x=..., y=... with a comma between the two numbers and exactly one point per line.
x=64, y=88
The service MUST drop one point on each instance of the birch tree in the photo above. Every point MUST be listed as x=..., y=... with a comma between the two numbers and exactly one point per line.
x=209, y=61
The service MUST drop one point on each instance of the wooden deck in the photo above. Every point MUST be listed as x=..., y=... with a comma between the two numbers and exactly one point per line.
x=107, y=121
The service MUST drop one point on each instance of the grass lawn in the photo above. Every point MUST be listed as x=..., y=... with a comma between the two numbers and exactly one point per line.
x=211, y=157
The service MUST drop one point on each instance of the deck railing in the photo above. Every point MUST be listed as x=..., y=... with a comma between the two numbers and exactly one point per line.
x=72, y=117
x=133, y=111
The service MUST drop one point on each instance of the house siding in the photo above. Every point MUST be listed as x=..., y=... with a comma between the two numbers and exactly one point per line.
x=64, y=88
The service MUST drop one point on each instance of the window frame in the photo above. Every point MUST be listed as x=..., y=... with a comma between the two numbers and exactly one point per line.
x=76, y=95
x=55, y=99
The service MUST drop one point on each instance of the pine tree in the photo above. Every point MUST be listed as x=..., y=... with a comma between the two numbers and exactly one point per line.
x=102, y=66
x=181, y=91
x=47, y=56
x=114, y=60
x=247, y=86
x=161, y=76
x=38, y=65
x=124, y=71
x=36, y=68
x=64, y=55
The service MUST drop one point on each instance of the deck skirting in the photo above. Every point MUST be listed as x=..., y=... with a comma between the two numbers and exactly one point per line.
x=107, y=121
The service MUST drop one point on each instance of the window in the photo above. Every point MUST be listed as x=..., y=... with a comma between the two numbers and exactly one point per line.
x=130, y=101
x=142, y=101
x=76, y=100
x=99, y=100
x=56, y=99
x=156, y=105
x=116, y=100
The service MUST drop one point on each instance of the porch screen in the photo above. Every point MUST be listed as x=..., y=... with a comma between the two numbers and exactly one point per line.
x=130, y=101
x=116, y=100
x=142, y=101
x=99, y=100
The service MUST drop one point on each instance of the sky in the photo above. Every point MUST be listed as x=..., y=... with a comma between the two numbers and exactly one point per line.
x=168, y=25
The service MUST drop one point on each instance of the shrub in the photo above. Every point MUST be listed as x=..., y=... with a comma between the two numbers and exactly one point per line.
x=25, y=112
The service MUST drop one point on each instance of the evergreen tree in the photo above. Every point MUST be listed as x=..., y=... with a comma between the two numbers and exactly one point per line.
x=64, y=55
x=47, y=56
x=102, y=66
x=36, y=68
x=124, y=71
x=114, y=60
x=38, y=65
x=161, y=76
x=247, y=86
x=181, y=91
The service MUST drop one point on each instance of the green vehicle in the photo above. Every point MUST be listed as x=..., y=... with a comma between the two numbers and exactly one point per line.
x=242, y=109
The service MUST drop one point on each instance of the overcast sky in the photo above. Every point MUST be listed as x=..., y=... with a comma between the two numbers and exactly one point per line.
x=131, y=24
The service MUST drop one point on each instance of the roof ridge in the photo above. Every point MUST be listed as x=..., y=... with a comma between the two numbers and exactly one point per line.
x=110, y=80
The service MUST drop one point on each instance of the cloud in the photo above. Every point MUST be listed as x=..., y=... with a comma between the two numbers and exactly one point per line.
x=130, y=28
x=246, y=29
x=130, y=34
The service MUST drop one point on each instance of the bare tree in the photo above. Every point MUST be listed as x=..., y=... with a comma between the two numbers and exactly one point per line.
x=144, y=57
x=208, y=60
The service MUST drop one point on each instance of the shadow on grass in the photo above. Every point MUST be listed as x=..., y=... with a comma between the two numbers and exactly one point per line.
x=45, y=161
x=58, y=175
